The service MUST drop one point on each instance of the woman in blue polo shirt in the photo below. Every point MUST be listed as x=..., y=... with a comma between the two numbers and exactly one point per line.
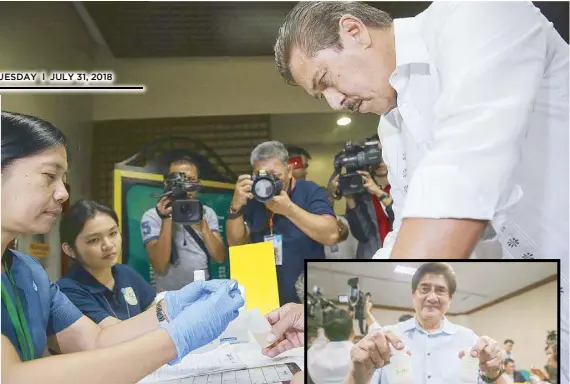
x=103, y=290
x=36, y=314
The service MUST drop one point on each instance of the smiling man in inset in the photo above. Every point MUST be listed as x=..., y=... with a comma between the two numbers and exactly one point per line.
x=437, y=346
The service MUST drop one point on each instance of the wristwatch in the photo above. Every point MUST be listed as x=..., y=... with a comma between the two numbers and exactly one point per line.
x=488, y=379
x=160, y=314
x=161, y=215
x=235, y=213
x=383, y=196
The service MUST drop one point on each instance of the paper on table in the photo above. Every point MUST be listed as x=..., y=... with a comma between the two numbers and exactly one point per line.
x=221, y=359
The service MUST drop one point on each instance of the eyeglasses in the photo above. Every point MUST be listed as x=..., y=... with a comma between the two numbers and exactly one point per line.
x=427, y=289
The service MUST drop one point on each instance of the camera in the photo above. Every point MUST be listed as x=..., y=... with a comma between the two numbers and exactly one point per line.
x=353, y=158
x=184, y=210
x=317, y=307
x=265, y=186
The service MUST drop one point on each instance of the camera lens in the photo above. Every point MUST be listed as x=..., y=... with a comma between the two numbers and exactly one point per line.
x=264, y=188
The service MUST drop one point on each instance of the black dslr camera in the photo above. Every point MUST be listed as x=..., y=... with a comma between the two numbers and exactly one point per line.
x=184, y=210
x=353, y=158
x=265, y=186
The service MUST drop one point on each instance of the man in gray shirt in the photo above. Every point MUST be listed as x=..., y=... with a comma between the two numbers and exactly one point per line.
x=159, y=234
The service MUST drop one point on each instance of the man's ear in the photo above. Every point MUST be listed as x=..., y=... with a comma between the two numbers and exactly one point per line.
x=352, y=30
x=68, y=250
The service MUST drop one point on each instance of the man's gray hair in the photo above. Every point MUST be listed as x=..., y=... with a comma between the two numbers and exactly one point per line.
x=312, y=26
x=269, y=150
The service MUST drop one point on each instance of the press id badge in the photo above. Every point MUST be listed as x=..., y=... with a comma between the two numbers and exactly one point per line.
x=277, y=241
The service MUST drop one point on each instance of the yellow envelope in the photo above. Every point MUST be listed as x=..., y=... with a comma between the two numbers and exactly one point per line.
x=253, y=266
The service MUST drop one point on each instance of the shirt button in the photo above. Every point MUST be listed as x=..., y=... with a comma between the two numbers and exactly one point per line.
x=429, y=354
x=429, y=377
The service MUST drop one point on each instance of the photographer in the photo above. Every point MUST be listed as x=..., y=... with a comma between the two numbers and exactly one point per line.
x=176, y=251
x=298, y=220
x=369, y=214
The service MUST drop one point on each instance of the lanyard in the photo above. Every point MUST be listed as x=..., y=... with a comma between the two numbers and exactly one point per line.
x=18, y=318
x=271, y=223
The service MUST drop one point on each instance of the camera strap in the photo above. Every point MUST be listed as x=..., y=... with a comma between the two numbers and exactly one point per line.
x=197, y=239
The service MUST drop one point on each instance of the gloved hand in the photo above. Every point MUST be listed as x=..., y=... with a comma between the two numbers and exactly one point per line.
x=203, y=320
x=176, y=301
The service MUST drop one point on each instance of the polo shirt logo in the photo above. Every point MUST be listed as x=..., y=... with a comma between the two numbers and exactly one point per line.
x=129, y=295
x=34, y=286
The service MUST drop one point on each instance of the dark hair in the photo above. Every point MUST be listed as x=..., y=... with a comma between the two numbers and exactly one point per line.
x=184, y=160
x=24, y=135
x=312, y=26
x=298, y=151
x=405, y=318
x=73, y=221
x=507, y=361
x=436, y=268
x=337, y=325
x=508, y=341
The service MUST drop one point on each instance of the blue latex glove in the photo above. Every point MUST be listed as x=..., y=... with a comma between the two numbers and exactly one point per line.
x=176, y=301
x=204, y=320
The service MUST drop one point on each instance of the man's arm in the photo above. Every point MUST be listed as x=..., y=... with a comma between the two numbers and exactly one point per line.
x=141, y=357
x=343, y=232
x=237, y=233
x=439, y=239
x=321, y=228
x=481, y=118
x=157, y=237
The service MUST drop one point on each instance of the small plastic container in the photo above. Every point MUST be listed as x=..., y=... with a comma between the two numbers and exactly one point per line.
x=469, y=371
x=401, y=367
x=259, y=327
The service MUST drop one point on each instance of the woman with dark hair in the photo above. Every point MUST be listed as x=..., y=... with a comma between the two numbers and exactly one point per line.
x=36, y=315
x=103, y=290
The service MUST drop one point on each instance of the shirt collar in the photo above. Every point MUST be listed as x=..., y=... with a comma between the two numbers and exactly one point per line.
x=410, y=47
x=87, y=281
x=445, y=327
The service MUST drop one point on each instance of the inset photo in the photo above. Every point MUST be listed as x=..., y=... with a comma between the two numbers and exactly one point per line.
x=386, y=322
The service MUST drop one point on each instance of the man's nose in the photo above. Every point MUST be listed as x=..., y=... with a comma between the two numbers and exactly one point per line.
x=432, y=296
x=334, y=98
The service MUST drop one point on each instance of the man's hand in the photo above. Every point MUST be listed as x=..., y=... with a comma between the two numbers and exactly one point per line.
x=280, y=204
x=489, y=354
x=242, y=193
x=287, y=329
x=370, y=184
x=164, y=206
x=202, y=227
x=371, y=353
